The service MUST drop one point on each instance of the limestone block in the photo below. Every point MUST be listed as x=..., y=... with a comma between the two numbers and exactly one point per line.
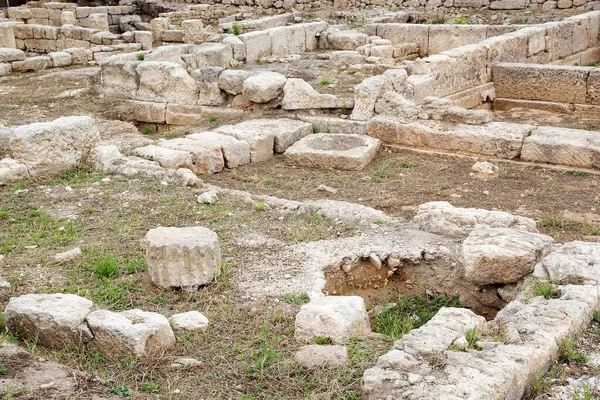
x=337, y=317
x=498, y=139
x=37, y=63
x=10, y=55
x=231, y=81
x=127, y=22
x=315, y=356
x=182, y=257
x=119, y=79
x=366, y=95
x=143, y=111
x=406, y=33
x=267, y=135
x=541, y=82
x=446, y=37
x=346, y=40
x=193, y=31
x=48, y=148
x=340, y=151
x=19, y=13
x=576, y=263
x=238, y=47
x=502, y=255
x=12, y=170
x=60, y=59
x=98, y=21
x=158, y=27
x=167, y=158
x=258, y=45
x=144, y=38
x=5, y=69
x=574, y=147
x=183, y=114
x=79, y=55
x=263, y=86
x=7, y=36
x=508, y=4
x=345, y=58
x=210, y=55
x=165, y=82
x=56, y=320
x=235, y=152
x=207, y=82
x=593, y=87
x=171, y=53
x=190, y=321
x=207, y=157
x=300, y=95
x=442, y=218
x=131, y=332
x=68, y=18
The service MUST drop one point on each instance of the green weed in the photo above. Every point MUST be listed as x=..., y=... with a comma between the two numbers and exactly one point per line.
x=569, y=351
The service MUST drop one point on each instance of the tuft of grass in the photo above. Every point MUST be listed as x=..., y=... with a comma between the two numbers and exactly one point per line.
x=323, y=340
x=460, y=20
x=324, y=81
x=236, y=29
x=597, y=316
x=569, y=351
x=269, y=180
x=435, y=20
x=141, y=57
x=3, y=369
x=472, y=336
x=344, y=111
x=590, y=64
x=212, y=118
x=106, y=267
x=293, y=298
x=410, y=313
x=305, y=228
x=147, y=130
x=381, y=172
x=259, y=206
x=576, y=173
x=547, y=290
x=120, y=391
x=557, y=222
x=149, y=386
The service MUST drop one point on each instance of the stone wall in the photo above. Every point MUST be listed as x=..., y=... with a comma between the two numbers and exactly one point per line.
x=57, y=14
x=465, y=67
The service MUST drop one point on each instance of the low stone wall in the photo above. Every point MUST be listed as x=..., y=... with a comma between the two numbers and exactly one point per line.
x=437, y=74
x=46, y=39
x=433, y=39
x=563, y=84
x=57, y=14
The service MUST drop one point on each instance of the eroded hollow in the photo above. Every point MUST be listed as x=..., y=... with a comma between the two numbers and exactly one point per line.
x=385, y=281
x=336, y=143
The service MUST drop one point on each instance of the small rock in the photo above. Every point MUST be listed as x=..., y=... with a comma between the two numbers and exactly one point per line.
x=186, y=363
x=188, y=321
x=462, y=343
x=68, y=255
x=210, y=197
x=324, y=188
x=484, y=168
x=68, y=188
x=375, y=260
x=414, y=378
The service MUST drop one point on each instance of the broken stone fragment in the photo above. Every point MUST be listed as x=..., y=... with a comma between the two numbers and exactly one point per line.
x=182, y=257
x=263, y=86
x=314, y=356
x=188, y=322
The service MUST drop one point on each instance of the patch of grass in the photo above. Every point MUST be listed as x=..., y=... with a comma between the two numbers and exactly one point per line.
x=557, y=222
x=509, y=175
x=236, y=29
x=579, y=174
x=324, y=81
x=323, y=340
x=597, y=316
x=147, y=130
x=590, y=64
x=141, y=57
x=3, y=369
x=406, y=164
x=293, y=298
x=410, y=313
x=547, y=290
x=381, y=172
x=269, y=180
x=259, y=206
x=454, y=347
x=266, y=354
x=120, y=391
x=105, y=267
x=344, y=111
x=435, y=20
x=460, y=20
x=212, y=118
x=305, y=228
x=149, y=386
x=584, y=393
x=78, y=175
x=569, y=352
x=472, y=336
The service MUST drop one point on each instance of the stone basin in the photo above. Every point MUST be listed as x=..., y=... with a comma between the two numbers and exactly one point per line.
x=339, y=151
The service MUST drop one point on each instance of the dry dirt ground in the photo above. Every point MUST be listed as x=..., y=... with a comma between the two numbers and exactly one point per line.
x=247, y=353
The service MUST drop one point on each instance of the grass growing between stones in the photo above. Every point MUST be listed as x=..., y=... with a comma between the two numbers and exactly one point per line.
x=409, y=313
x=547, y=290
x=569, y=351
x=557, y=222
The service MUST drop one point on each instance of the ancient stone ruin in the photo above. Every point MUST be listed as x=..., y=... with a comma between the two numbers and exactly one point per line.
x=300, y=199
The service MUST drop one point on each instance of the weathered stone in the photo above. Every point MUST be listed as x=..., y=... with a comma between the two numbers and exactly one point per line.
x=60, y=59
x=167, y=158
x=210, y=55
x=443, y=218
x=102, y=157
x=237, y=46
x=366, y=95
x=165, y=82
x=131, y=332
x=266, y=136
x=346, y=40
x=68, y=255
x=235, y=152
x=5, y=69
x=12, y=170
x=263, y=86
x=188, y=178
x=341, y=151
x=571, y=263
x=190, y=321
x=231, y=81
x=10, y=55
x=182, y=257
x=315, y=356
x=337, y=317
x=502, y=255
x=207, y=81
x=207, y=157
x=47, y=148
x=470, y=117
x=395, y=104
x=484, y=168
x=300, y=95
x=37, y=63
x=53, y=320
x=564, y=146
